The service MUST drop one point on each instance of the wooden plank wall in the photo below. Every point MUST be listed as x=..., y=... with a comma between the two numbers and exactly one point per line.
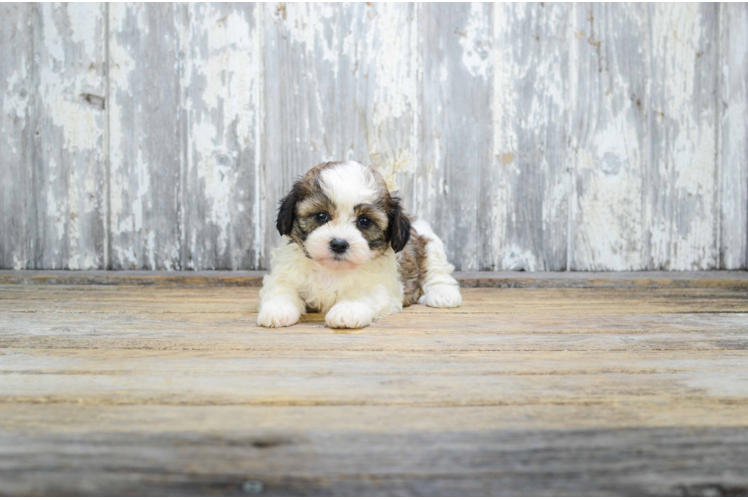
x=533, y=136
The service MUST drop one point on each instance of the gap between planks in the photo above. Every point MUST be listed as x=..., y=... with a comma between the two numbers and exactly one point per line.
x=508, y=279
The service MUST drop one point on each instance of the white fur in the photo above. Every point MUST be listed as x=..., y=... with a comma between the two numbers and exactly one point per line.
x=349, y=184
x=295, y=279
x=279, y=311
x=349, y=314
x=440, y=289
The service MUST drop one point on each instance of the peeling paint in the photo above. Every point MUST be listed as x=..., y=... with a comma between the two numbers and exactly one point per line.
x=221, y=73
x=517, y=259
x=303, y=21
x=684, y=223
x=531, y=136
x=391, y=167
x=85, y=25
x=16, y=98
x=733, y=134
x=476, y=42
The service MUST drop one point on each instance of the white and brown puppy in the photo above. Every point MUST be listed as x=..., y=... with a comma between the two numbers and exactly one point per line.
x=350, y=252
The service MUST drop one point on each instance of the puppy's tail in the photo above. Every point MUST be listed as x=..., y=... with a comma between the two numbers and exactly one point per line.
x=439, y=288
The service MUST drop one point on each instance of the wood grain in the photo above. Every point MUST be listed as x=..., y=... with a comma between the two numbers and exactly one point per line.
x=53, y=144
x=733, y=112
x=683, y=172
x=378, y=79
x=301, y=45
x=456, y=133
x=660, y=461
x=70, y=58
x=146, y=137
x=529, y=201
x=609, y=136
x=220, y=107
x=733, y=280
x=17, y=135
x=160, y=390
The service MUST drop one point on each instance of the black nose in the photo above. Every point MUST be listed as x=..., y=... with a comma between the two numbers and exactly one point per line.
x=339, y=246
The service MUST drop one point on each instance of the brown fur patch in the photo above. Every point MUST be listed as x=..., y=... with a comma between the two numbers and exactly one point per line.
x=308, y=191
x=413, y=267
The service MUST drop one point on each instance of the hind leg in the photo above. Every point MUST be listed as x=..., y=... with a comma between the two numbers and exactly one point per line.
x=439, y=288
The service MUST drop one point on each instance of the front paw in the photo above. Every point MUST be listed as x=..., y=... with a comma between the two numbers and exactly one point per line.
x=349, y=315
x=441, y=296
x=277, y=313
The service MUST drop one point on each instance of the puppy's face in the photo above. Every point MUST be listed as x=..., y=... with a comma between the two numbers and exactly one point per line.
x=342, y=215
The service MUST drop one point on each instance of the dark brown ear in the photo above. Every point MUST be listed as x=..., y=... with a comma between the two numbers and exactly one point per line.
x=287, y=211
x=398, y=228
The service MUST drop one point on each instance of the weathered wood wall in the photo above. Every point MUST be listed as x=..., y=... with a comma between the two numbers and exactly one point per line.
x=536, y=137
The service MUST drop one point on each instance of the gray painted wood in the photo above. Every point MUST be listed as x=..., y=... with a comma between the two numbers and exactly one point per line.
x=534, y=136
x=682, y=171
x=300, y=55
x=378, y=78
x=733, y=132
x=69, y=152
x=17, y=189
x=530, y=202
x=53, y=136
x=728, y=280
x=609, y=67
x=456, y=123
x=147, y=134
x=220, y=88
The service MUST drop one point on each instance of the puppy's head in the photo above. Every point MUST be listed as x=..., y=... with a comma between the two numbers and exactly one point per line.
x=342, y=215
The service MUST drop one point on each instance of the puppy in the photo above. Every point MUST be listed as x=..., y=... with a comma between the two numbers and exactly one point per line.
x=350, y=252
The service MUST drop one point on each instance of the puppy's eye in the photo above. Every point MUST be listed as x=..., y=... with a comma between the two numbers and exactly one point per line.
x=364, y=222
x=322, y=217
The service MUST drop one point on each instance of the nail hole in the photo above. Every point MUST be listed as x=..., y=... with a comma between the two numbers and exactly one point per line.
x=94, y=100
x=252, y=487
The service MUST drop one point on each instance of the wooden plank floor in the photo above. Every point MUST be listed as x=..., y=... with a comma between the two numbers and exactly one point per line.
x=123, y=389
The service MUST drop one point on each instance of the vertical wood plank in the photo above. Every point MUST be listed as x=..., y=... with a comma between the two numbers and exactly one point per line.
x=17, y=189
x=300, y=65
x=682, y=176
x=456, y=123
x=146, y=148
x=733, y=117
x=220, y=93
x=69, y=157
x=530, y=206
x=377, y=82
x=339, y=84
x=608, y=135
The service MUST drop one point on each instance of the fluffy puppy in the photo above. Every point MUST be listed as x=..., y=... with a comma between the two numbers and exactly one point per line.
x=350, y=252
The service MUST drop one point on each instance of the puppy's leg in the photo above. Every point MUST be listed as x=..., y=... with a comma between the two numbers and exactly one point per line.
x=360, y=310
x=280, y=304
x=439, y=288
x=282, y=309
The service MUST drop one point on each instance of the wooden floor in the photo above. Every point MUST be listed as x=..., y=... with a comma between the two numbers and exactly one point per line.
x=125, y=389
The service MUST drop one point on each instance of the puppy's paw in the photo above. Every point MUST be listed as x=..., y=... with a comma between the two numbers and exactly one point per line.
x=277, y=313
x=349, y=315
x=441, y=296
